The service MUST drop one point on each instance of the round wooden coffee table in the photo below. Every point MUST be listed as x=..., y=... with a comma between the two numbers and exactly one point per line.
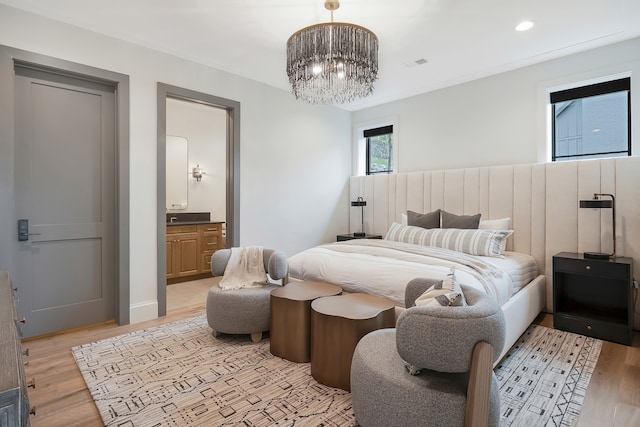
x=291, y=317
x=337, y=324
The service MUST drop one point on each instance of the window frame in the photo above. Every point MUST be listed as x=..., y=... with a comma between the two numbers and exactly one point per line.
x=587, y=91
x=372, y=133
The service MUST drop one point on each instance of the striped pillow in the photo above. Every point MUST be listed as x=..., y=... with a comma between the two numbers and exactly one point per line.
x=469, y=241
x=447, y=293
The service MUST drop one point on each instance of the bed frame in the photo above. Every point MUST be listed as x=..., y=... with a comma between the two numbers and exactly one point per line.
x=541, y=200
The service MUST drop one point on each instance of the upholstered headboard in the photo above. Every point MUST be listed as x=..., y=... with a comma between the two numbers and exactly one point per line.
x=541, y=199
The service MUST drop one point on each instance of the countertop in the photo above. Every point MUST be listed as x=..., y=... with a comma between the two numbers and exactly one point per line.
x=193, y=222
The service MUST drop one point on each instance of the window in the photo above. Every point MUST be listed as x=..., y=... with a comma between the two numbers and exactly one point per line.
x=592, y=121
x=379, y=150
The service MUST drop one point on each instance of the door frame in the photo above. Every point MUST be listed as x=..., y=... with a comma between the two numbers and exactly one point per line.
x=232, y=173
x=9, y=57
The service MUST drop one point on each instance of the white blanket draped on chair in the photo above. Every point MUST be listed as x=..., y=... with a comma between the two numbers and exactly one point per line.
x=245, y=269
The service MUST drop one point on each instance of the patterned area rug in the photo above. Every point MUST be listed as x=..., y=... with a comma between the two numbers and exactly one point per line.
x=544, y=377
x=178, y=375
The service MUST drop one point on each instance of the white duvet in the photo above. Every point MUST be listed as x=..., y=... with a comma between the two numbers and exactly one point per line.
x=382, y=267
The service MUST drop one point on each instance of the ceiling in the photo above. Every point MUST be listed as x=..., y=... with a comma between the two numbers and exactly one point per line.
x=461, y=40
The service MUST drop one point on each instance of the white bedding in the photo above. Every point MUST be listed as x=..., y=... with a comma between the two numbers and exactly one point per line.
x=521, y=268
x=383, y=267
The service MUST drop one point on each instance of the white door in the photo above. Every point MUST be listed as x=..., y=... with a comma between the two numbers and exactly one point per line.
x=65, y=188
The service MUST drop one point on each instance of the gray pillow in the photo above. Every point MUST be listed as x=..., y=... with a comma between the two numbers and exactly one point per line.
x=427, y=220
x=450, y=220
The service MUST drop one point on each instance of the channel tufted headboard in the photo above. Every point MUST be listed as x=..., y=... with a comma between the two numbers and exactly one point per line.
x=542, y=201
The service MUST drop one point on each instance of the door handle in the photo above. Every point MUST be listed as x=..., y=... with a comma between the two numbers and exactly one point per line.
x=23, y=230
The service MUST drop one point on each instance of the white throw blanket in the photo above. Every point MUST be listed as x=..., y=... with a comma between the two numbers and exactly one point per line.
x=245, y=269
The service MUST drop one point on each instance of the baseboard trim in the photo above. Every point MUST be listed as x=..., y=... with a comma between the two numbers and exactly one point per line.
x=143, y=311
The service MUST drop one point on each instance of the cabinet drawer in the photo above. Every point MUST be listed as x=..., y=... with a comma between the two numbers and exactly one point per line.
x=206, y=262
x=596, y=328
x=210, y=243
x=175, y=229
x=592, y=268
x=211, y=228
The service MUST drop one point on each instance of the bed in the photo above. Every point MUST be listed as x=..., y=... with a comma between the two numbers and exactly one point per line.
x=384, y=267
x=540, y=199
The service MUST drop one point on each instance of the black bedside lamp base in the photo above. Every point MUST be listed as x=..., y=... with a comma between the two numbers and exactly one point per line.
x=596, y=255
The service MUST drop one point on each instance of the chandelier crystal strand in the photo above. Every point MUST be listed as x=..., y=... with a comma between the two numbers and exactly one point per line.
x=332, y=62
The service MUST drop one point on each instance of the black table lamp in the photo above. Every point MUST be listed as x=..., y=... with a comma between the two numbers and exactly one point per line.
x=598, y=203
x=361, y=203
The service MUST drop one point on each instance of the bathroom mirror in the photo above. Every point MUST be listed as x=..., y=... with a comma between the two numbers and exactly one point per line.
x=177, y=172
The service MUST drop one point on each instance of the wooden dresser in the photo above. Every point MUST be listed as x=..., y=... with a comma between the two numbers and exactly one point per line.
x=189, y=249
x=14, y=403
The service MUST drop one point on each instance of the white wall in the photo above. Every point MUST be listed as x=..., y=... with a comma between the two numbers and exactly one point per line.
x=205, y=128
x=294, y=158
x=498, y=120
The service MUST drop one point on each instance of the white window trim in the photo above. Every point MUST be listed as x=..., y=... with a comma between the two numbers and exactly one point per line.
x=359, y=152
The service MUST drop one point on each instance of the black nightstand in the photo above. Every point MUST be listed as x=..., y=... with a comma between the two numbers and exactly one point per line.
x=593, y=297
x=343, y=237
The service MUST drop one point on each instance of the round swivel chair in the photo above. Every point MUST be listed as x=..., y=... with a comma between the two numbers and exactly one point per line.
x=434, y=369
x=244, y=310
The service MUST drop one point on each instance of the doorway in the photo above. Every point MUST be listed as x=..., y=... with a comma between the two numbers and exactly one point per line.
x=230, y=176
x=69, y=260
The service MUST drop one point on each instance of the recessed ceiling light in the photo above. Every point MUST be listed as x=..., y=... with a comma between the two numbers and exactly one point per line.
x=524, y=26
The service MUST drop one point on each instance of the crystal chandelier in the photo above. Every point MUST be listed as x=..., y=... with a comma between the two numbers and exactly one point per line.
x=332, y=62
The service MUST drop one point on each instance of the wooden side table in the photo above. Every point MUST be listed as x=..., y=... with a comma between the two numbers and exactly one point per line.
x=337, y=324
x=291, y=317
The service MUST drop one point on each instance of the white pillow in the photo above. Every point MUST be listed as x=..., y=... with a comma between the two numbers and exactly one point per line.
x=495, y=224
x=469, y=241
x=405, y=220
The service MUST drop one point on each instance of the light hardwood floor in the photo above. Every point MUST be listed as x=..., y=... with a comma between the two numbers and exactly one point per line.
x=61, y=397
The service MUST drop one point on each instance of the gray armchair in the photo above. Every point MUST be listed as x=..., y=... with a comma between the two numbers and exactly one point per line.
x=449, y=350
x=245, y=310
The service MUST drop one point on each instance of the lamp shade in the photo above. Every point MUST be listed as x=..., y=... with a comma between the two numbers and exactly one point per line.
x=597, y=204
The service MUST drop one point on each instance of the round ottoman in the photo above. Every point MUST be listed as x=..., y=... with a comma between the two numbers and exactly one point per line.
x=240, y=311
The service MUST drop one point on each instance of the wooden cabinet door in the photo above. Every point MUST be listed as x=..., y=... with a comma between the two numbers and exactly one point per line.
x=171, y=259
x=187, y=250
x=183, y=251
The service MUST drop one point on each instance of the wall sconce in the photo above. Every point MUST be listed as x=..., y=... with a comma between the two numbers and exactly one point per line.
x=361, y=203
x=598, y=203
x=197, y=172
